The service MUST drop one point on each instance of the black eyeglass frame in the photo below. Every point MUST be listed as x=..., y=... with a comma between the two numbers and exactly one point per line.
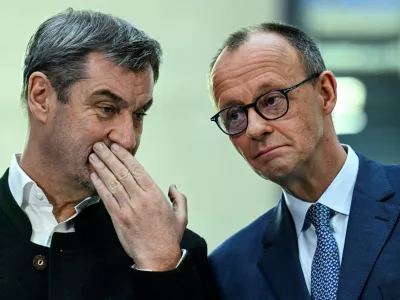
x=254, y=104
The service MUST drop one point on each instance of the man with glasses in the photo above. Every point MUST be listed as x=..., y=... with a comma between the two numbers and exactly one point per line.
x=335, y=233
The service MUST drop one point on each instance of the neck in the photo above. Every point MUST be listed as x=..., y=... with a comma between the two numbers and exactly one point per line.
x=315, y=175
x=60, y=192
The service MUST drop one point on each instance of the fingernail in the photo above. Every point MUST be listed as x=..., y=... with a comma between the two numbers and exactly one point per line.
x=94, y=158
x=115, y=147
x=175, y=187
x=98, y=146
x=94, y=176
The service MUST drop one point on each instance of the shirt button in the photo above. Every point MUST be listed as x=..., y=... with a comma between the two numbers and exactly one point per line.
x=40, y=262
x=39, y=196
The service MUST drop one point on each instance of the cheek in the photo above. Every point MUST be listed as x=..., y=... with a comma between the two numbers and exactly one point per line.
x=242, y=145
x=305, y=133
x=95, y=133
x=90, y=134
x=138, y=137
x=138, y=129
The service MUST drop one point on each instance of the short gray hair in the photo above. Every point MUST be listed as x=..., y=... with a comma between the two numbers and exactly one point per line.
x=304, y=45
x=60, y=47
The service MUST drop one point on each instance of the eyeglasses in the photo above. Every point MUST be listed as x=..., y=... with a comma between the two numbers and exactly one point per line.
x=270, y=106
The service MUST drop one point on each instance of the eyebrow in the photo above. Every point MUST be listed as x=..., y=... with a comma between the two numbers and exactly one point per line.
x=119, y=100
x=262, y=90
x=232, y=102
x=107, y=93
x=146, y=106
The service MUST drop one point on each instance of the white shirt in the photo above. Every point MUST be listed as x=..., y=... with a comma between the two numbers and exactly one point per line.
x=338, y=197
x=36, y=206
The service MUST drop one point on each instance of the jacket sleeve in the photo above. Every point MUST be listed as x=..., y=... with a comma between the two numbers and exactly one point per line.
x=192, y=280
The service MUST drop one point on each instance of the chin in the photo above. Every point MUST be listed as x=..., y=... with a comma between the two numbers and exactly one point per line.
x=83, y=179
x=277, y=172
x=88, y=185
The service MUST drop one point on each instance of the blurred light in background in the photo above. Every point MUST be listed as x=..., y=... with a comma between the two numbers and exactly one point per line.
x=349, y=114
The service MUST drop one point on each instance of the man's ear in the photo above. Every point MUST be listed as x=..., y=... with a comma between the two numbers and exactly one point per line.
x=327, y=90
x=40, y=91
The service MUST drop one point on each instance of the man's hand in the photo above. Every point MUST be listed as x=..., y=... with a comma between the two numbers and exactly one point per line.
x=149, y=228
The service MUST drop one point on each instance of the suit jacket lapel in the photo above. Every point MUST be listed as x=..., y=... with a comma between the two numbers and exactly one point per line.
x=11, y=208
x=371, y=221
x=279, y=261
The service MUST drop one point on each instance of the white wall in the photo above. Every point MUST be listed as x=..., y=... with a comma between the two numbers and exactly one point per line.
x=180, y=144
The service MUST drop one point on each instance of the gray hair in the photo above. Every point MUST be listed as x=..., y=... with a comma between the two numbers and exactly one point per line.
x=305, y=46
x=60, y=47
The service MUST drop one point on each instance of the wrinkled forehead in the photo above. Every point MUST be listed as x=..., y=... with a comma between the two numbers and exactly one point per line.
x=263, y=54
x=105, y=78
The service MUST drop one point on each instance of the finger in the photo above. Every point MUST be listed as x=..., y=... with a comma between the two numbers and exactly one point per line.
x=140, y=175
x=108, y=199
x=109, y=181
x=179, y=203
x=118, y=169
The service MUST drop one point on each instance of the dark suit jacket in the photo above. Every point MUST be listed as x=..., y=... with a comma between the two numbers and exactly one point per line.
x=262, y=262
x=90, y=263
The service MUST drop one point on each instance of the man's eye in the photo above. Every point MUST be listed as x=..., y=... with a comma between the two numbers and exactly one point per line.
x=139, y=116
x=271, y=101
x=108, y=110
x=233, y=116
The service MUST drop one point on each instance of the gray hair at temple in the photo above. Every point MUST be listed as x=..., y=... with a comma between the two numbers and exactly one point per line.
x=304, y=45
x=61, y=45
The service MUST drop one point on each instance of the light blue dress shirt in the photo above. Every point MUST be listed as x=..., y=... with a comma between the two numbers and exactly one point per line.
x=338, y=197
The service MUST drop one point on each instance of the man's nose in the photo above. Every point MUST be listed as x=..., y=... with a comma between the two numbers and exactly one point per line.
x=124, y=134
x=257, y=126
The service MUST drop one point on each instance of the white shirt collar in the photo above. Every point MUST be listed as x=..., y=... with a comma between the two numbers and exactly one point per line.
x=21, y=184
x=337, y=196
x=18, y=180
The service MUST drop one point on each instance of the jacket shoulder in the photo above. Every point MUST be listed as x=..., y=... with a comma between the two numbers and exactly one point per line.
x=393, y=172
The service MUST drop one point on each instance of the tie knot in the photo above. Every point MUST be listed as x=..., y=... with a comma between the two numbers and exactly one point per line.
x=319, y=215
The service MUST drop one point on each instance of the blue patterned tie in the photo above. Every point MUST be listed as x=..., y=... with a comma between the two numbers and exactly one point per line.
x=326, y=264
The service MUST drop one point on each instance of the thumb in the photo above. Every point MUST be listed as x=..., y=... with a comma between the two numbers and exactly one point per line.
x=179, y=204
